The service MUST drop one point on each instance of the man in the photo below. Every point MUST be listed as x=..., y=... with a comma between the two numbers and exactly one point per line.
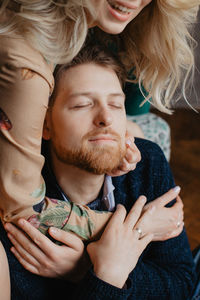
x=86, y=127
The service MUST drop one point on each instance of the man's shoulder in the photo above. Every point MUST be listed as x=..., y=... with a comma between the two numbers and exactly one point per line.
x=152, y=162
x=153, y=168
x=152, y=157
x=148, y=149
x=151, y=177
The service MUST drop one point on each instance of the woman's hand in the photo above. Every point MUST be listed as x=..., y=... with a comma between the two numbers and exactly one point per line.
x=39, y=255
x=115, y=255
x=163, y=222
x=131, y=158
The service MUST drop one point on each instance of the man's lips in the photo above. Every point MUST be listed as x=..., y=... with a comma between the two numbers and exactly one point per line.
x=102, y=138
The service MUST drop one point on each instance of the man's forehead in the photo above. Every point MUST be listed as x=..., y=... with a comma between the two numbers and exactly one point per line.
x=86, y=71
x=85, y=81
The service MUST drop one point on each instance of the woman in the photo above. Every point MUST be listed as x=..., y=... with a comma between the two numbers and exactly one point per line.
x=36, y=36
x=31, y=35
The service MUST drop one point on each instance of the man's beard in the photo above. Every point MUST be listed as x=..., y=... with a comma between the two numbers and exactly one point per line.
x=93, y=158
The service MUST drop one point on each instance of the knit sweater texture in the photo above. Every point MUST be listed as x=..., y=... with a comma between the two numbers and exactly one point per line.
x=164, y=271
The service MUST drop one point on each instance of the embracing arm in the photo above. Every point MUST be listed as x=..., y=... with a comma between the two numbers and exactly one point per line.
x=165, y=269
x=108, y=281
x=114, y=256
x=92, y=285
x=41, y=256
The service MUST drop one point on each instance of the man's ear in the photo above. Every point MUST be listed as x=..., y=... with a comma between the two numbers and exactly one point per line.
x=47, y=128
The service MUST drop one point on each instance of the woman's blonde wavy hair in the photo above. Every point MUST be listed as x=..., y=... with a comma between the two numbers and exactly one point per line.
x=165, y=56
x=57, y=28
x=159, y=47
x=157, y=43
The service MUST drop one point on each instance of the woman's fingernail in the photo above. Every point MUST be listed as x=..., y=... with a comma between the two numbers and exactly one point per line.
x=177, y=189
x=53, y=230
x=143, y=199
x=128, y=142
x=119, y=206
x=21, y=222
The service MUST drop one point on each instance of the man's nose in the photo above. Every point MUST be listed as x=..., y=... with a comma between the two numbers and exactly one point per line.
x=103, y=118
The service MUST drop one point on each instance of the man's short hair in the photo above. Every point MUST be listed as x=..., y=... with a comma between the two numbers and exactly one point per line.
x=95, y=54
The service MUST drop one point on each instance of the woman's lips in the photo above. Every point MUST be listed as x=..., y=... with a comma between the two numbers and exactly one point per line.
x=120, y=11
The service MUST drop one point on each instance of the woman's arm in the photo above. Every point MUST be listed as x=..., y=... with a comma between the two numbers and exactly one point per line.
x=166, y=268
x=4, y=275
x=117, y=252
x=41, y=256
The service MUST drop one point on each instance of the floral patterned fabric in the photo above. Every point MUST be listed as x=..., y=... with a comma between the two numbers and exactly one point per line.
x=86, y=223
x=155, y=129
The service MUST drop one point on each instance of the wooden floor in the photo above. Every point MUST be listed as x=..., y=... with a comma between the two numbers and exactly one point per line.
x=185, y=164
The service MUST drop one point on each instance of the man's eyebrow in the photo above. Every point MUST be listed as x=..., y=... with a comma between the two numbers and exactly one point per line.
x=90, y=94
x=80, y=94
x=117, y=95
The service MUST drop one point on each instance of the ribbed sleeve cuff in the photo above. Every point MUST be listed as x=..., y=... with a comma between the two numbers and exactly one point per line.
x=94, y=288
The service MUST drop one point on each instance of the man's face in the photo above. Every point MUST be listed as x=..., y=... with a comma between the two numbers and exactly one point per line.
x=87, y=123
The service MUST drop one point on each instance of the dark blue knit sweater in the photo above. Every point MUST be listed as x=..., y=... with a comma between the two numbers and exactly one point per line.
x=164, y=271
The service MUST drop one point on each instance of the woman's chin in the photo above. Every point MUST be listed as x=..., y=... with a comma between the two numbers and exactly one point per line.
x=112, y=28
